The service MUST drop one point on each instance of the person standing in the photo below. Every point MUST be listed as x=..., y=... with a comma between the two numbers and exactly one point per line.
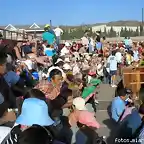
x=48, y=36
x=112, y=60
x=58, y=32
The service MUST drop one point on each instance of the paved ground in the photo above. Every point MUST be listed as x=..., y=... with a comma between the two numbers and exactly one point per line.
x=105, y=97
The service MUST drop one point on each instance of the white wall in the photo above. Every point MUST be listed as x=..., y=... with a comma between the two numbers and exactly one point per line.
x=116, y=28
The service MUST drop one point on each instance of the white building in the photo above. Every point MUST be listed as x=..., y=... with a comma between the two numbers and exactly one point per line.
x=102, y=28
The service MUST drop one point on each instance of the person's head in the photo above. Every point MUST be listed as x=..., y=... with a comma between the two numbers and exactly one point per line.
x=141, y=110
x=1, y=37
x=60, y=64
x=35, y=93
x=122, y=94
x=35, y=135
x=56, y=76
x=74, y=44
x=67, y=45
x=3, y=59
x=45, y=42
x=79, y=104
x=113, y=53
x=47, y=27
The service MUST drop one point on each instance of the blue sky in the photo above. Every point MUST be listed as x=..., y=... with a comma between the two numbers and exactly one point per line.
x=68, y=12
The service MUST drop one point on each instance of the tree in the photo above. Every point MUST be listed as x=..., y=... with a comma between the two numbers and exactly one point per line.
x=121, y=32
x=112, y=33
x=141, y=30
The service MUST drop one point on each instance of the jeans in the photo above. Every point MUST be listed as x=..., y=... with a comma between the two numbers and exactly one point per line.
x=58, y=40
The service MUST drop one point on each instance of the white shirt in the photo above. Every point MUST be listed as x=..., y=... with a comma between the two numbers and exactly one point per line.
x=64, y=51
x=130, y=42
x=112, y=63
x=4, y=131
x=118, y=57
x=92, y=41
x=85, y=41
x=58, y=31
x=45, y=48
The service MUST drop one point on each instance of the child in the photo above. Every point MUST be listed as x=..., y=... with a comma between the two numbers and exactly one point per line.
x=80, y=114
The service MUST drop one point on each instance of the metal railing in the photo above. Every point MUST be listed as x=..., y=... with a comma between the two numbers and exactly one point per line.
x=14, y=35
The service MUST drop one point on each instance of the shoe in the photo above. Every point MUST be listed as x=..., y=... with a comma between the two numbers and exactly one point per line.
x=96, y=101
x=113, y=86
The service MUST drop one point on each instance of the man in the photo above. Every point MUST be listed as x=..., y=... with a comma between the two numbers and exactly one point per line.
x=66, y=49
x=85, y=40
x=7, y=99
x=48, y=36
x=135, y=53
x=131, y=124
x=118, y=105
x=112, y=61
x=58, y=32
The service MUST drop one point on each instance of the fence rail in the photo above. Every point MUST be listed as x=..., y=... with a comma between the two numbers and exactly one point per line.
x=13, y=35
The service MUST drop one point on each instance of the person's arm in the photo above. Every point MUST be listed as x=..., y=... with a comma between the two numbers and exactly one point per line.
x=18, y=55
x=7, y=117
x=69, y=103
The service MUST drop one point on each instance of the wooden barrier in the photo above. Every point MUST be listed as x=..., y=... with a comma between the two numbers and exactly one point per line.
x=133, y=78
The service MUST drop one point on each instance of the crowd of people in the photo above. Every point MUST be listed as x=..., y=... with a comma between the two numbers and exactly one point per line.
x=45, y=89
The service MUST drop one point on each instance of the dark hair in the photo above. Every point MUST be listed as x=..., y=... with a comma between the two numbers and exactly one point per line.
x=122, y=92
x=36, y=93
x=35, y=135
x=141, y=109
x=113, y=53
x=55, y=72
x=61, y=63
x=3, y=54
x=46, y=29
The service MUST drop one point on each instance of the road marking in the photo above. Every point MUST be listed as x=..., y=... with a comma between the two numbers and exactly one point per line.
x=102, y=110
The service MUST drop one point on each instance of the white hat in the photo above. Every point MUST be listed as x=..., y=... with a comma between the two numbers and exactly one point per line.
x=79, y=103
x=67, y=44
x=66, y=66
x=58, y=60
x=67, y=60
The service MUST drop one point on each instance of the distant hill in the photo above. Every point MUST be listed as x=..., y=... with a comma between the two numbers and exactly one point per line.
x=113, y=23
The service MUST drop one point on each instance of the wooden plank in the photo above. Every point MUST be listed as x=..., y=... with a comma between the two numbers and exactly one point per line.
x=137, y=83
x=133, y=73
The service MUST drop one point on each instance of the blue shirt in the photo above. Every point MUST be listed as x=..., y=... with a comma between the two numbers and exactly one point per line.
x=11, y=78
x=112, y=61
x=117, y=108
x=126, y=42
x=49, y=37
x=135, y=55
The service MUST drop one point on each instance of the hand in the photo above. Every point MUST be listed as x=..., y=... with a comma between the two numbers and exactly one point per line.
x=9, y=116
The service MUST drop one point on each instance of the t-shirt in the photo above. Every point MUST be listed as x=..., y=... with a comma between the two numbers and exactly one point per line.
x=9, y=98
x=112, y=63
x=117, y=108
x=27, y=49
x=126, y=42
x=118, y=57
x=130, y=124
x=58, y=31
x=11, y=78
x=64, y=51
x=135, y=55
x=49, y=37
